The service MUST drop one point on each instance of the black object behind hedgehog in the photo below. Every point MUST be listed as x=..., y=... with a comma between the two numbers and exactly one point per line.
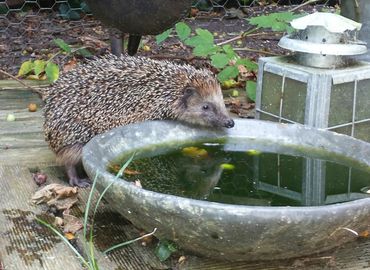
x=139, y=17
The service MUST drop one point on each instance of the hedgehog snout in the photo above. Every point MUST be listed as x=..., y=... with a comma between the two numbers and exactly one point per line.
x=229, y=123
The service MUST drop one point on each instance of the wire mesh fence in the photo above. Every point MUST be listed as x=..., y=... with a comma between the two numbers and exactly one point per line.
x=27, y=27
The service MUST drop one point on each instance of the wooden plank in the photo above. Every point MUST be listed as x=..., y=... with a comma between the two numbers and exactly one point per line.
x=27, y=156
x=13, y=84
x=22, y=140
x=19, y=126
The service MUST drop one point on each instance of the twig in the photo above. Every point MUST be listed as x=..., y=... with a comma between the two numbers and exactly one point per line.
x=243, y=35
x=304, y=4
x=34, y=89
x=256, y=51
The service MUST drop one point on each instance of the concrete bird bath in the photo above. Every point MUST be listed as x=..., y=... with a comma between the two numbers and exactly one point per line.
x=224, y=231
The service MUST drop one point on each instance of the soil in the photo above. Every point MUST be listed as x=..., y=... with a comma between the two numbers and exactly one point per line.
x=32, y=38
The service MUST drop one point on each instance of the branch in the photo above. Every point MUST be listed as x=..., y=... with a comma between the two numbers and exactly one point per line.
x=241, y=36
x=34, y=89
x=304, y=4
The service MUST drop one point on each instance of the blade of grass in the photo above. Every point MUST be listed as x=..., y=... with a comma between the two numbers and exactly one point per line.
x=65, y=240
x=120, y=173
x=129, y=242
x=88, y=203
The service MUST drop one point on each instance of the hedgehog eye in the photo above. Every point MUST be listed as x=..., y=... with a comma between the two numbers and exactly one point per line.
x=189, y=90
x=205, y=107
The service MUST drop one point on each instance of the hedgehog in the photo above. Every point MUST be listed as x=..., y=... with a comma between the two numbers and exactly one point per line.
x=112, y=91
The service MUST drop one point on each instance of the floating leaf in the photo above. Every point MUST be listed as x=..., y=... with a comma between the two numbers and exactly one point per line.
x=227, y=73
x=251, y=90
x=39, y=66
x=182, y=30
x=227, y=166
x=219, y=60
x=52, y=71
x=61, y=44
x=164, y=250
x=26, y=68
x=253, y=152
x=162, y=37
x=194, y=152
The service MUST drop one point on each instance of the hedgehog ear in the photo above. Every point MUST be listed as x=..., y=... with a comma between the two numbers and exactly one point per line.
x=187, y=93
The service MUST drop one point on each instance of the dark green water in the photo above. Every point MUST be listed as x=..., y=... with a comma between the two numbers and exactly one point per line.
x=248, y=177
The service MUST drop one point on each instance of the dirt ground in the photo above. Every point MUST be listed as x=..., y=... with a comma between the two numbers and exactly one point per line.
x=33, y=38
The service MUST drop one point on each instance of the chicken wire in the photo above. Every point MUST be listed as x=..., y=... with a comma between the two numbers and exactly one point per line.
x=25, y=24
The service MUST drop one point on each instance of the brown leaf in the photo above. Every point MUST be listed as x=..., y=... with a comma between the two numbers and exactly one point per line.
x=69, y=236
x=131, y=172
x=52, y=195
x=71, y=64
x=72, y=224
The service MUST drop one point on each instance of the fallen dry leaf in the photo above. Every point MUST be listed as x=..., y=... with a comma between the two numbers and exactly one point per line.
x=58, y=222
x=72, y=224
x=69, y=236
x=70, y=65
x=131, y=172
x=63, y=197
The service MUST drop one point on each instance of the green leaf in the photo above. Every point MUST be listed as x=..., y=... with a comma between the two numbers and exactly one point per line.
x=39, y=66
x=219, y=60
x=26, y=68
x=52, y=71
x=182, y=30
x=227, y=73
x=250, y=65
x=228, y=49
x=206, y=36
x=162, y=37
x=204, y=49
x=84, y=52
x=164, y=250
x=61, y=44
x=194, y=41
x=250, y=88
x=276, y=21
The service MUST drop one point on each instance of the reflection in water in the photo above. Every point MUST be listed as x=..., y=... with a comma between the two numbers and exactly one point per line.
x=253, y=178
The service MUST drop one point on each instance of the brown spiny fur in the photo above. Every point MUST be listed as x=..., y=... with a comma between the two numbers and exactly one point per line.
x=111, y=91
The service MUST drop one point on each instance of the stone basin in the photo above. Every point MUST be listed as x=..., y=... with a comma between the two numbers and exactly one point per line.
x=225, y=231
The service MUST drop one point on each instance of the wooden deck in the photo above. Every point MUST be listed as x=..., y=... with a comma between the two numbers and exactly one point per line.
x=26, y=245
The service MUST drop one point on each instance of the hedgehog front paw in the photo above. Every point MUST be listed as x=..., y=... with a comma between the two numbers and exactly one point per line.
x=78, y=182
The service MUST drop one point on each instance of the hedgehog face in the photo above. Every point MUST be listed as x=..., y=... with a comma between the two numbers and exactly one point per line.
x=204, y=109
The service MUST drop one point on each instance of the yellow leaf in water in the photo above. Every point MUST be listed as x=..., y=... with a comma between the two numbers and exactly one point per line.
x=253, y=152
x=131, y=172
x=227, y=166
x=194, y=152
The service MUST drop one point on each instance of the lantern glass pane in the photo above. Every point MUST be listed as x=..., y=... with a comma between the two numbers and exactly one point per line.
x=362, y=100
x=362, y=131
x=294, y=100
x=271, y=93
x=341, y=103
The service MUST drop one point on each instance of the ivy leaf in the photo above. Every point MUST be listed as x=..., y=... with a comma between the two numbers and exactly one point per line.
x=39, y=66
x=162, y=37
x=52, y=71
x=204, y=49
x=61, y=44
x=250, y=88
x=182, y=30
x=227, y=73
x=219, y=60
x=164, y=250
x=250, y=65
x=26, y=68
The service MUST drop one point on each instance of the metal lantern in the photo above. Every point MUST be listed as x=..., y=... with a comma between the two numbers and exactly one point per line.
x=321, y=84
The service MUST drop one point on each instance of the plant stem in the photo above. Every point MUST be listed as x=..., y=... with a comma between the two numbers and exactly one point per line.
x=256, y=51
x=34, y=89
x=304, y=4
x=241, y=36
